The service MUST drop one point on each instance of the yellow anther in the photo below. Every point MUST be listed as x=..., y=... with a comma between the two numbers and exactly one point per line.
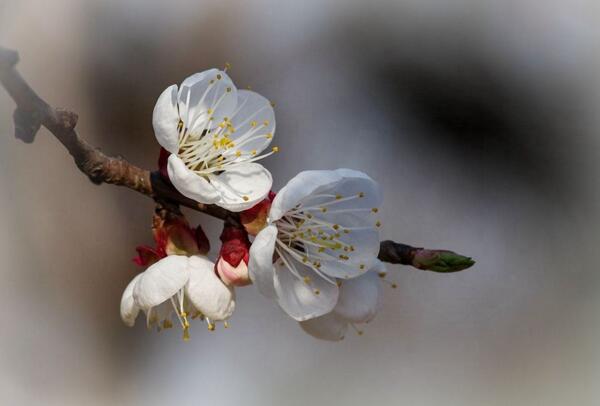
x=275, y=149
x=246, y=198
x=167, y=323
x=211, y=327
x=394, y=286
x=374, y=209
x=321, y=249
x=186, y=334
x=268, y=136
x=360, y=332
x=266, y=123
x=362, y=267
x=336, y=226
x=309, y=216
x=324, y=209
x=227, y=65
x=183, y=314
x=212, y=81
x=249, y=87
x=338, y=197
x=346, y=231
x=219, y=76
x=253, y=123
x=238, y=153
x=226, y=324
x=210, y=111
x=317, y=292
x=306, y=279
x=338, y=283
x=382, y=274
x=253, y=152
x=272, y=104
x=361, y=194
x=305, y=259
x=378, y=223
x=228, y=90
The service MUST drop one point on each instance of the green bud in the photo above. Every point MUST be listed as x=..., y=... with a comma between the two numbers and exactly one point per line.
x=441, y=261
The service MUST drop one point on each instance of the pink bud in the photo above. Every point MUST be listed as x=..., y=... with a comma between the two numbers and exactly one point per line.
x=232, y=265
x=233, y=275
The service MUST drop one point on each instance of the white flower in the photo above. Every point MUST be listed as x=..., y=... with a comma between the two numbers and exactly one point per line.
x=359, y=301
x=186, y=286
x=215, y=133
x=321, y=227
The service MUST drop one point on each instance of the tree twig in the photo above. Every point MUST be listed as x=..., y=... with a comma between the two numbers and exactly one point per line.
x=32, y=112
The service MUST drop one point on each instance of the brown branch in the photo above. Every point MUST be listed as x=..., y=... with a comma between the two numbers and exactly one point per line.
x=33, y=112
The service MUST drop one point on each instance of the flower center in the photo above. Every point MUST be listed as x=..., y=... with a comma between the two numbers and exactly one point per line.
x=207, y=147
x=305, y=235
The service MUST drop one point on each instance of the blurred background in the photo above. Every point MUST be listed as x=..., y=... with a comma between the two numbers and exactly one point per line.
x=479, y=119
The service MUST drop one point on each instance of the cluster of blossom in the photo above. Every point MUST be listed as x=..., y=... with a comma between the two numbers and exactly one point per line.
x=312, y=247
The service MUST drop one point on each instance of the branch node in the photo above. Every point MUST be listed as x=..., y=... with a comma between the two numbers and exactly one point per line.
x=27, y=124
x=66, y=119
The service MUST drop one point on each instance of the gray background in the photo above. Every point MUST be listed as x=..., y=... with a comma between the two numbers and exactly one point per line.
x=480, y=120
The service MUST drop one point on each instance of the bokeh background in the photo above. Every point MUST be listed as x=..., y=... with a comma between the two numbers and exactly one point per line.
x=479, y=119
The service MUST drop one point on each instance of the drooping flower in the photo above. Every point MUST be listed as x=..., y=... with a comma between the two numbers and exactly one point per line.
x=321, y=228
x=232, y=264
x=359, y=301
x=180, y=285
x=215, y=133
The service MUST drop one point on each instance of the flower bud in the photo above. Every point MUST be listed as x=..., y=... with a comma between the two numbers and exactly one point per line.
x=232, y=265
x=255, y=218
x=441, y=261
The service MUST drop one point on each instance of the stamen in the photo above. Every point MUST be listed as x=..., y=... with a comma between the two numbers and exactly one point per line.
x=359, y=332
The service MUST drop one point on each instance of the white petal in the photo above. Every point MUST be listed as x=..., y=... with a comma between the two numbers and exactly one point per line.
x=355, y=182
x=366, y=248
x=165, y=119
x=249, y=180
x=207, y=292
x=252, y=108
x=260, y=264
x=129, y=310
x=360, y=298
x=161, y=281
x=190, y=184
x=328, y=327
x=299, y=299
x=197, y=95
x=300, y=187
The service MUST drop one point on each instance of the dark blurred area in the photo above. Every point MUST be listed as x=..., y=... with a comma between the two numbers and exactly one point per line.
x=479, y=120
